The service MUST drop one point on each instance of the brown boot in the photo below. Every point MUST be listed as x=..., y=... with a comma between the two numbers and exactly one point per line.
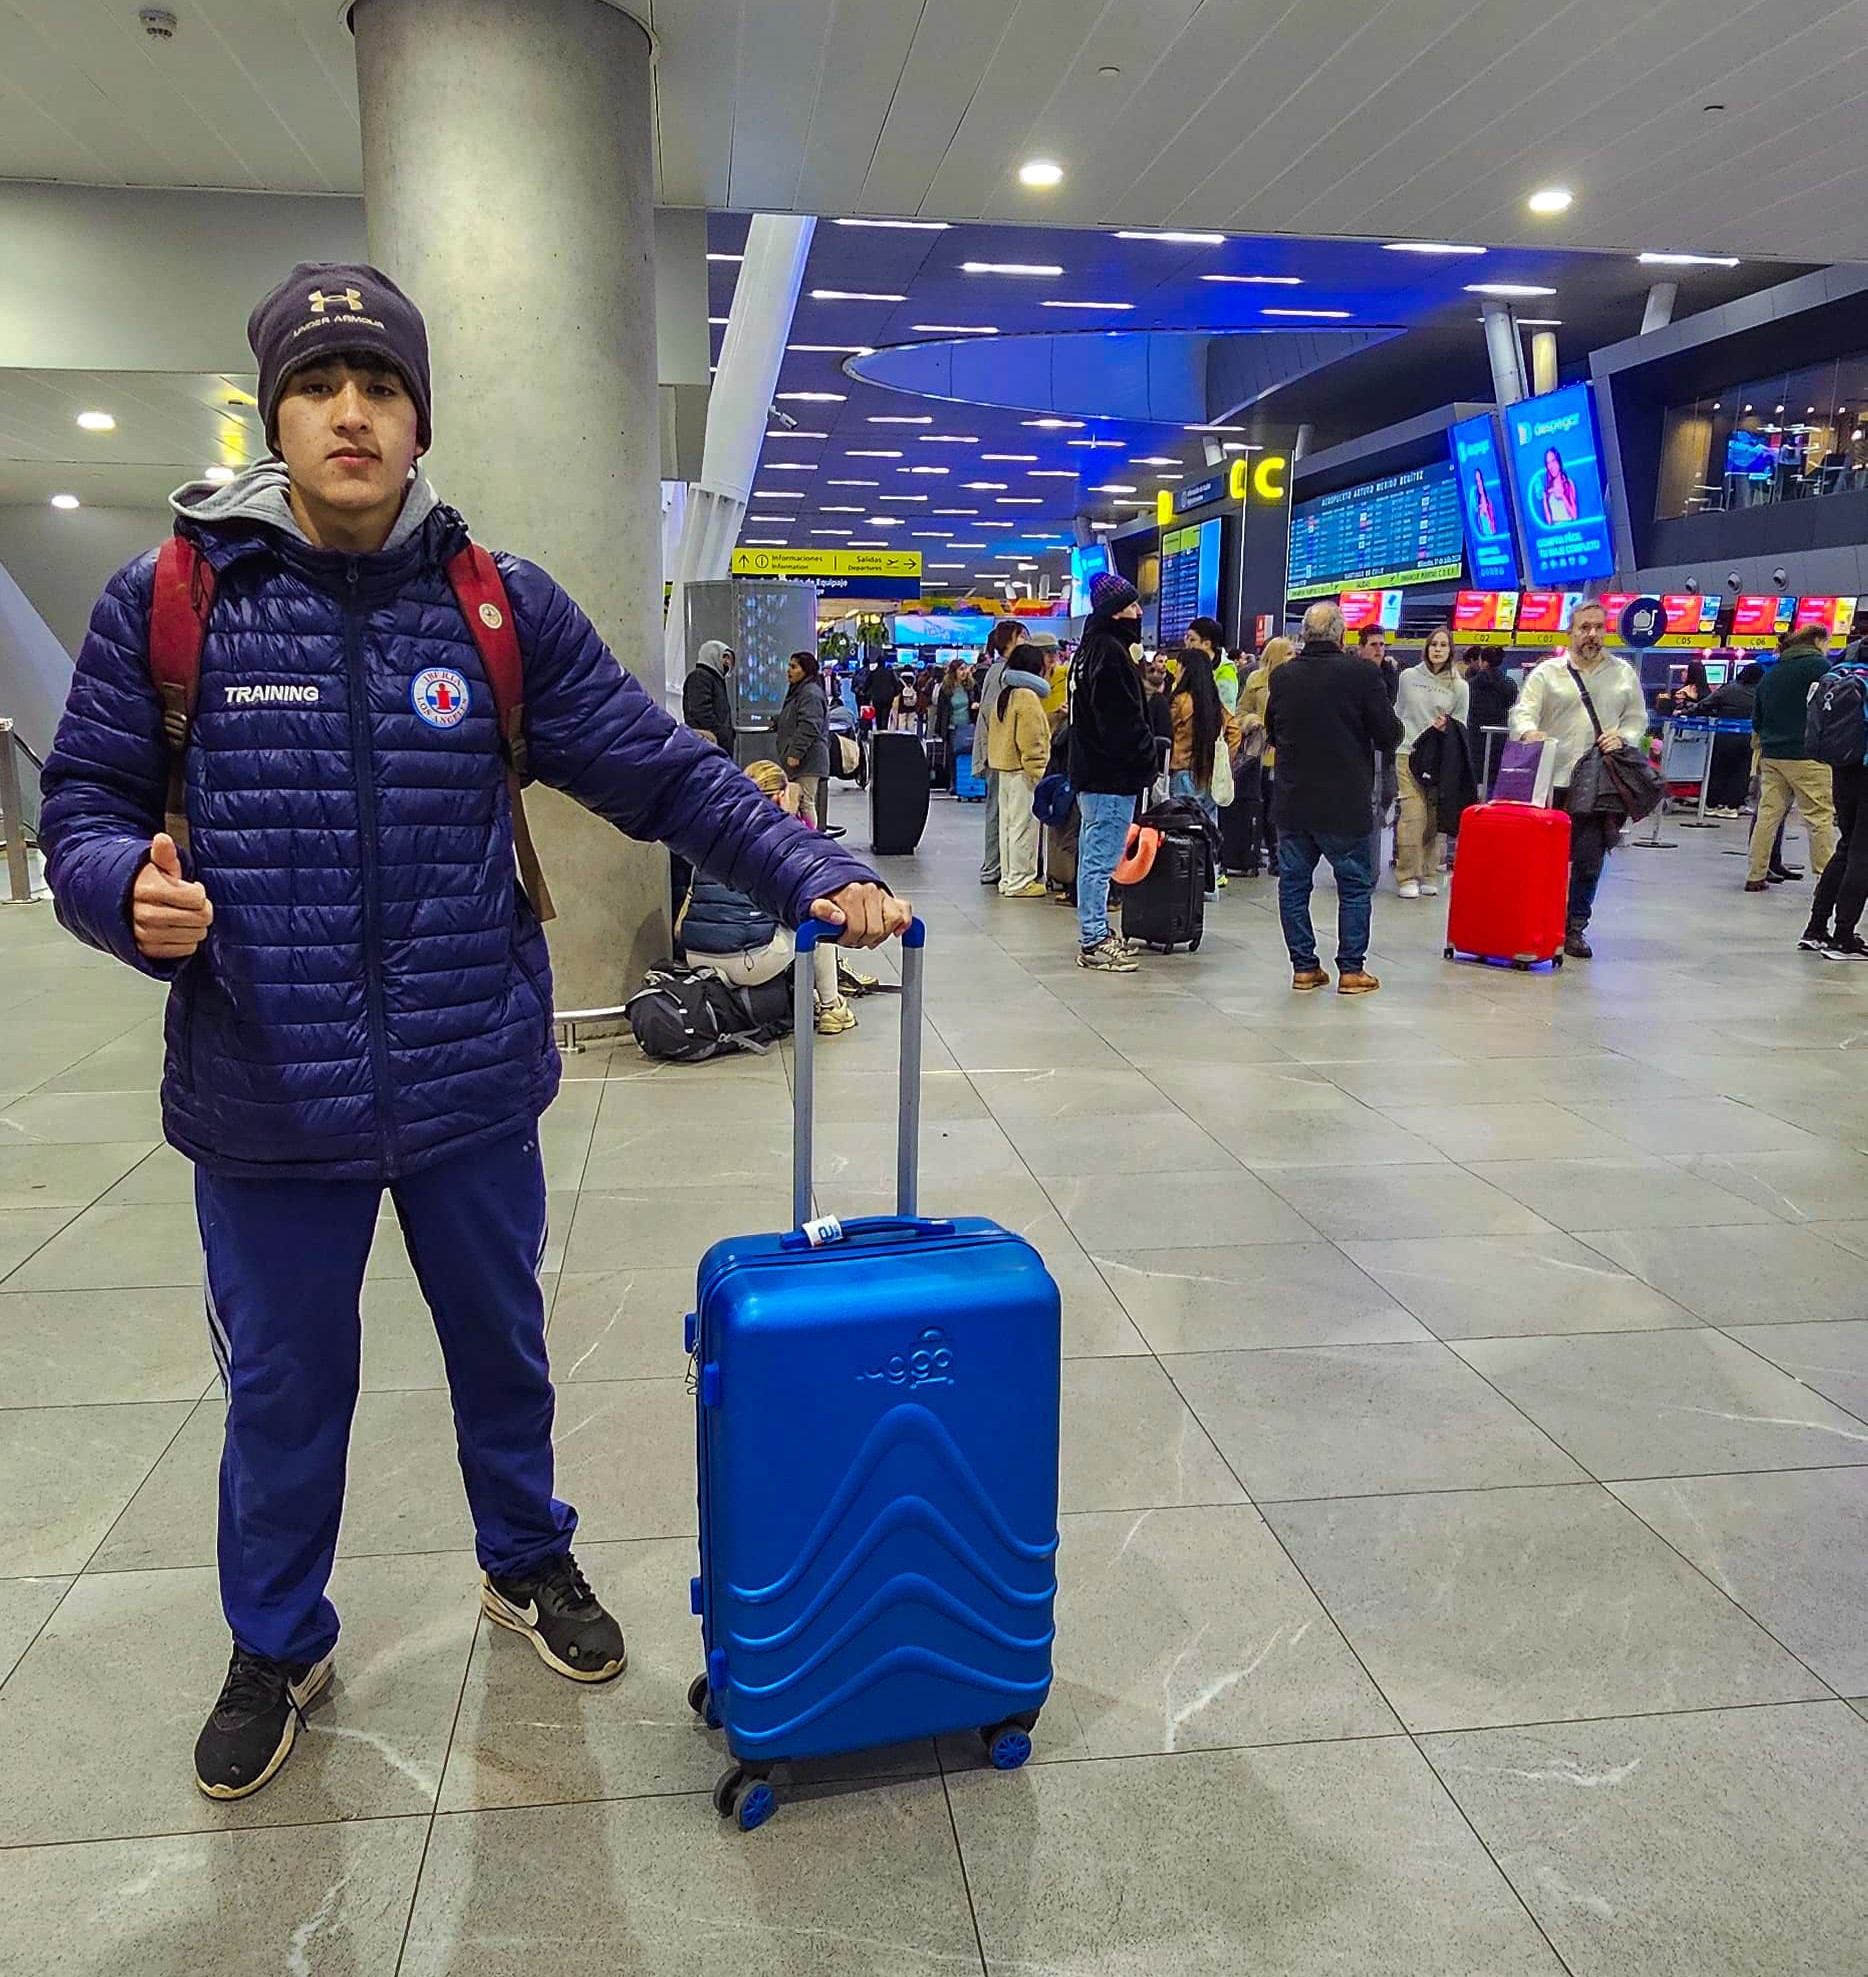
x=1303, y=980
x=1357, y=981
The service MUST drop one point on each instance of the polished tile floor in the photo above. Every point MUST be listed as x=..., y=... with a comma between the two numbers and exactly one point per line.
x=1465, y=1562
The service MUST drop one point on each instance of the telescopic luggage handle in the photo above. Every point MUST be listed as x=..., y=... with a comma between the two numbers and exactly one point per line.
x=804, y=1097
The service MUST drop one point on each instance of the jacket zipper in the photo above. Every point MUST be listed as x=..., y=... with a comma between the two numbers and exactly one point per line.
x=363, y=764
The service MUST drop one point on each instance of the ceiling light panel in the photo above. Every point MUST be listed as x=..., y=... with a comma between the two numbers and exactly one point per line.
x=1427, y=247
x=1172, y=239
x=1039, y=268
x=954, y=329
x=852, y=295
x=1258, y=281
x=898, y=226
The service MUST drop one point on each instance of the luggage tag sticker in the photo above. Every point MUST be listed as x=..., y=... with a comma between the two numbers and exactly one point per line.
x=822, y=1229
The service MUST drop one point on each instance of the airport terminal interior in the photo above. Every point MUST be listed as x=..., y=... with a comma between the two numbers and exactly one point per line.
x=1460, y=1510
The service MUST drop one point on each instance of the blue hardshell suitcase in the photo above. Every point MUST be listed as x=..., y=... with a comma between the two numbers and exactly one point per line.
x=878, y=1440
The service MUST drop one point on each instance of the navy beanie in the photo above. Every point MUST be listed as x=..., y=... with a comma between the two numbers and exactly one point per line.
x=323, y=308
x=1110, y=593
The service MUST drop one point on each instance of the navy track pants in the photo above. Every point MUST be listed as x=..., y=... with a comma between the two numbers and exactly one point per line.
x=285, y=1262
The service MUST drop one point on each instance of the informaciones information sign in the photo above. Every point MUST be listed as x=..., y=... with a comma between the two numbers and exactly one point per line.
x=826, y=562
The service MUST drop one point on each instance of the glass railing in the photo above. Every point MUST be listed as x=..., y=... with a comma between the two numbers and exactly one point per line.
x=19, y=814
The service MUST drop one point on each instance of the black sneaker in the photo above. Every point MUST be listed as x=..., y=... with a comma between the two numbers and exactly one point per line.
x=1852, y=949
x=562, y=1618
x=1812, y=940
x=1576, y=945
x=254, y=1722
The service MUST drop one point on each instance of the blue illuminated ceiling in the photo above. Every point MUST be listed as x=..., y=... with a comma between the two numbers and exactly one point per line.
x=978, y=487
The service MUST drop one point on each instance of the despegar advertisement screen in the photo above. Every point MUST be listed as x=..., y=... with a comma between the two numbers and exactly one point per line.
x=1484, y=505
x=1556, y=468
x=1402, y=529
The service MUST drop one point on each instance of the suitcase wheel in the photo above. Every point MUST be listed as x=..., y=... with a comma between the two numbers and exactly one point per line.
x=746, y=1799
x=700, y=1701
x=1008, y=1745
x=1446, y=953
x=1194, y=943
x=1523, y=967
x=1556, y=961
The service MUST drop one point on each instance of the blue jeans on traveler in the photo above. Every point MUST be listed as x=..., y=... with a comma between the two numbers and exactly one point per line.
x=1102, y=831
x=285, y=1264
x=1298, y=852
x=1181, y=783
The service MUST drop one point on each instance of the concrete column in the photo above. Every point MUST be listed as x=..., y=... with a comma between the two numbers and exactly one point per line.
x=508, y=185
x=1543, y=361
x=1659, y=311
x=1501, y=346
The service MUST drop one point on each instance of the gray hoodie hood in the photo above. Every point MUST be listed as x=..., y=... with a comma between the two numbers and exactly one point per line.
x=259, y=495
x=712, y=655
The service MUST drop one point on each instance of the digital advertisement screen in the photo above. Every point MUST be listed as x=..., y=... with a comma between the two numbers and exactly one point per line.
x=1485, y=507
x=1485, y=617
x=1750, y=456
x=1835, y=614
x=1189, y=578
x=1759, y=622
x=1691, y=618
x=1556, y=468
x=1547, y=613
x=1371, y=607
x=943, y=628
x=1087, y=561
x=1400, y=530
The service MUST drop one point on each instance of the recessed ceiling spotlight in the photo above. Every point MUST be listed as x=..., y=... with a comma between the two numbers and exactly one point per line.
x=1551, y=199
x=902, y=226
x=812, y=397
x=64, y=501
x=901, y=418
x=954, y=329
x=1258, y=281
x=1508, y=289
x=851, y=295
x=1040, y=172
x=1175, y=239
x=97, y=422
x=219, y=476
x=1086, y=305
x=1009, y=268
x=1427, y=247
x=1688, y=260
x=1325, y=315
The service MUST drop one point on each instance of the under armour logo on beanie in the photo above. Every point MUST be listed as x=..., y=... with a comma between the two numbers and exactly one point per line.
x=324, y=308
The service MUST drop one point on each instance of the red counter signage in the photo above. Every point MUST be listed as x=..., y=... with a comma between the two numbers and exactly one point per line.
x=1371, y=607
x=1546, y=612
x=1758, y=622
x=1485, y=617
x=1836, y=615
x=1691, y=618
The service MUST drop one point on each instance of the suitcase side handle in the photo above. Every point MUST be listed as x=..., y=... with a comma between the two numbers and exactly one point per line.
x=804, y=1068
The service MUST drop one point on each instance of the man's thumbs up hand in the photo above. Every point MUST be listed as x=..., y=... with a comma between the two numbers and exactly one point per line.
x=169, y=915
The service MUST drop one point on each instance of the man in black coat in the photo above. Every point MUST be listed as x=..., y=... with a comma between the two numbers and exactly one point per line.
x=706, y=699
x=1112, y=760
x=1329, y=718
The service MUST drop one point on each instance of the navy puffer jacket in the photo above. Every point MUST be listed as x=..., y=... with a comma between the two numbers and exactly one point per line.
x=719, y=920
x=375, y=992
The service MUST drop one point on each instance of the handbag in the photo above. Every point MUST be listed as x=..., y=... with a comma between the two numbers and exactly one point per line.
x=1621, y=783
x=1222, y=785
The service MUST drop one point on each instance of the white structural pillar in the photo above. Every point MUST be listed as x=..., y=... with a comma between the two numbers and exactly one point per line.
x=1543, y=361
x=757, y=327
x=1501, y=346
x=1659, y=311
x=508, y=185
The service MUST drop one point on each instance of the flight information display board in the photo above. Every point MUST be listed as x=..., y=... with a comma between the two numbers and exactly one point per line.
x=1189, y=579
x=1402, y=529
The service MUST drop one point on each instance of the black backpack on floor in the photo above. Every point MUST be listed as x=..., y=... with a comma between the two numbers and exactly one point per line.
x=685, y=1016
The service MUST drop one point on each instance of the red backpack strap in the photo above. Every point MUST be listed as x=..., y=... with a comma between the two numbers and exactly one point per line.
x=480, y=592
x=179, y=607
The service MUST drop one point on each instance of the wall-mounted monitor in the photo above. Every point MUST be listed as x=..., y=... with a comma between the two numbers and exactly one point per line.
x=1189, y=578
x=1556, y=470
x=1484, y=504
x=1485, y=617
x=1758, y=622
x=1402, y=529
x=1691, y=618
x=1371, y=607
x=1547, y=613
x=1087, y=562
x=1835, y=615
x=962, y=628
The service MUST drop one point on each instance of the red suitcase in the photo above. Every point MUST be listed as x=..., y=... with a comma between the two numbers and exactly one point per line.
x=1511, y=885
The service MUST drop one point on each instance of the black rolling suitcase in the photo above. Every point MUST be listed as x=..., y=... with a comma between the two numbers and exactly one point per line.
x=898, y=793
x=1167, y=909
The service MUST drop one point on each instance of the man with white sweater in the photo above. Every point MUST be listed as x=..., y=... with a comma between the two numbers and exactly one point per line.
x=1551, y=709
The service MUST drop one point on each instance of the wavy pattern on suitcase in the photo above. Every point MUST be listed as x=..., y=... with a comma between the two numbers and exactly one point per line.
x=811, y=1642
x=899, y=1427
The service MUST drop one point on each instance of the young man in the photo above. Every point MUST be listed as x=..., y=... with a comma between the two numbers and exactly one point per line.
x=1786, y=775
x=707, y=700
x=1007, y=633
x=1842, y=888
x=1328, y=717
x=1112, y=760
x=1372, y=644
x=1551, y=709
x=361, y=993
